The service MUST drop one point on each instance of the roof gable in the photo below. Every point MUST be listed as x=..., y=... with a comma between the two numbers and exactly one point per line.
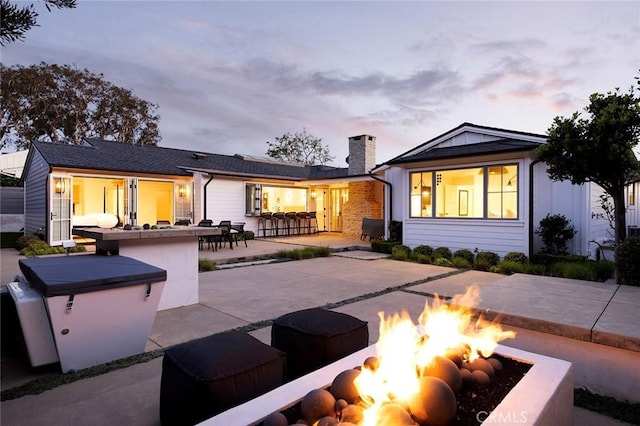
x=470, y=139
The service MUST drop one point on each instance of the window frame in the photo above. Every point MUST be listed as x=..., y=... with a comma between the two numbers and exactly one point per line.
x=506, y=177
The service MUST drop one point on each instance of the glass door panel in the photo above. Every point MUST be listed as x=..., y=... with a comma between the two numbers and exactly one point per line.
x=60, y=211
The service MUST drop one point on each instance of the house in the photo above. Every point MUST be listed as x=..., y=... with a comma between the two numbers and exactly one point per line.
x=477, y=187
x=69, y=186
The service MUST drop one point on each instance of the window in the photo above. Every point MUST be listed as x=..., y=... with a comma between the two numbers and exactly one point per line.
x=262, y=198
x=252, y=199
x=421, y=185
x=489, y=192
x=631, y=189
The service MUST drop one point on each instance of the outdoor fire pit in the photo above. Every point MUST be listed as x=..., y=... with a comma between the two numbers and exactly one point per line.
x=543, y=396
x=414, y=373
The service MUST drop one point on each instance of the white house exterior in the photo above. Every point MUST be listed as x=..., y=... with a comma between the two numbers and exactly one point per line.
x=70, y=186
x=477, y=187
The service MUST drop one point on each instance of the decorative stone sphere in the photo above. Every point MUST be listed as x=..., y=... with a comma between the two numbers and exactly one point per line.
x=445, y=369
x=352, y=414
x=343, y=387
x=317, y=404
x=394, y=414
x=435, y=404
x=484, y=365
x=276, y=419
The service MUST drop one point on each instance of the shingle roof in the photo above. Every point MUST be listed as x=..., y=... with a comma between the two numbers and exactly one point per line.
x=98, y=154
x=491, y=147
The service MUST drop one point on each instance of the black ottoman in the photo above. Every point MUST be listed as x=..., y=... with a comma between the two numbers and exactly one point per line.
x=313, y=338
x=204, y=377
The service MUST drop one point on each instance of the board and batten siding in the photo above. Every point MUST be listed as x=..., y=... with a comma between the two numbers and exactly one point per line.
x=225, y=201
x=499, y=237
x=36, y=176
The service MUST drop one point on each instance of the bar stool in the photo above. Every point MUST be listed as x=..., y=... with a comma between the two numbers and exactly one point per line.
x=265, y=223
x=278, y=222
x=292, y=221
x=313, y=222
x=302, y=221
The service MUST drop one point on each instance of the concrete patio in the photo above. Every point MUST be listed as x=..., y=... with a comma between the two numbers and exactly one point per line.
x=584, y=322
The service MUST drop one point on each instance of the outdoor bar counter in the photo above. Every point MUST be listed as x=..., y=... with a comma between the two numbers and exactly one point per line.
x=173, y=249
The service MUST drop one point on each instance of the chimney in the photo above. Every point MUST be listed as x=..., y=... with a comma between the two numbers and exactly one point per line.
x=362, y=154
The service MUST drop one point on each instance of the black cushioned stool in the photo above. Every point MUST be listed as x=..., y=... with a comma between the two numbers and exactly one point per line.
x=313, y=338
x=204, y=377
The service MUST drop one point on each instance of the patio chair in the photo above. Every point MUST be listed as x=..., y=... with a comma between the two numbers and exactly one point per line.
x=163, y=222
x=225, y=226
x=237, y=229
x=182, y=222
x=202, y=240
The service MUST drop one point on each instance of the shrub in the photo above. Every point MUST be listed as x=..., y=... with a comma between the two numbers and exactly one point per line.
x=510, y=267
x=421, y=258
x=573, y=270
x=515, y=256
x=465, y=254
x=442, y=261
x=395, y=230
x=424, y=250
x=627, y=255
x=549, y=259
x=383, y=246
x=533, y=269
x=482, y=265
x=487, y=257
x=400, y=252
x=247, y=235
x=461, y=262
x=442, y=252
x=422, y=254
x=603, y=269
x=206, y=265
x=555, y=230
x=40, y=248
x=305, y=253
x=26, y=240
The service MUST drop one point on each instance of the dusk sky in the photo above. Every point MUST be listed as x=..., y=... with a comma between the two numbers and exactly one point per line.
x=229, y=76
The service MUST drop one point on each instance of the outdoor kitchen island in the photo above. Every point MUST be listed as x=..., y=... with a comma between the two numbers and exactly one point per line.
x=173, y=249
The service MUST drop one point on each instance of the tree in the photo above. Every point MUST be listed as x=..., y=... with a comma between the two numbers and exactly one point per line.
x=63, y=104
x=599, y=148
x=299, y=148
x=16, y=21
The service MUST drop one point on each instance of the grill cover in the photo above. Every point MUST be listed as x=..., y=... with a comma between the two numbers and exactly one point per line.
x=68, y=275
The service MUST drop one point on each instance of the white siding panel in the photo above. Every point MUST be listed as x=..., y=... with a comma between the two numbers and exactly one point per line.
x=498, y=237
x=572, y=201
x=225, y=201
x=35, y=177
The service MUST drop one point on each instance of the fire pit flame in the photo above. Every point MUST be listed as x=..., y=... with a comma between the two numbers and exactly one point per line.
x=405, y=349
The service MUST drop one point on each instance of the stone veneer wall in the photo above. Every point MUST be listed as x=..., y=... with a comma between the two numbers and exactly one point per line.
x=365, y=200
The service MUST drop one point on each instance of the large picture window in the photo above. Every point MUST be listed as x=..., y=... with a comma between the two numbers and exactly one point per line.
x=489, y=192
x=263, y=198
